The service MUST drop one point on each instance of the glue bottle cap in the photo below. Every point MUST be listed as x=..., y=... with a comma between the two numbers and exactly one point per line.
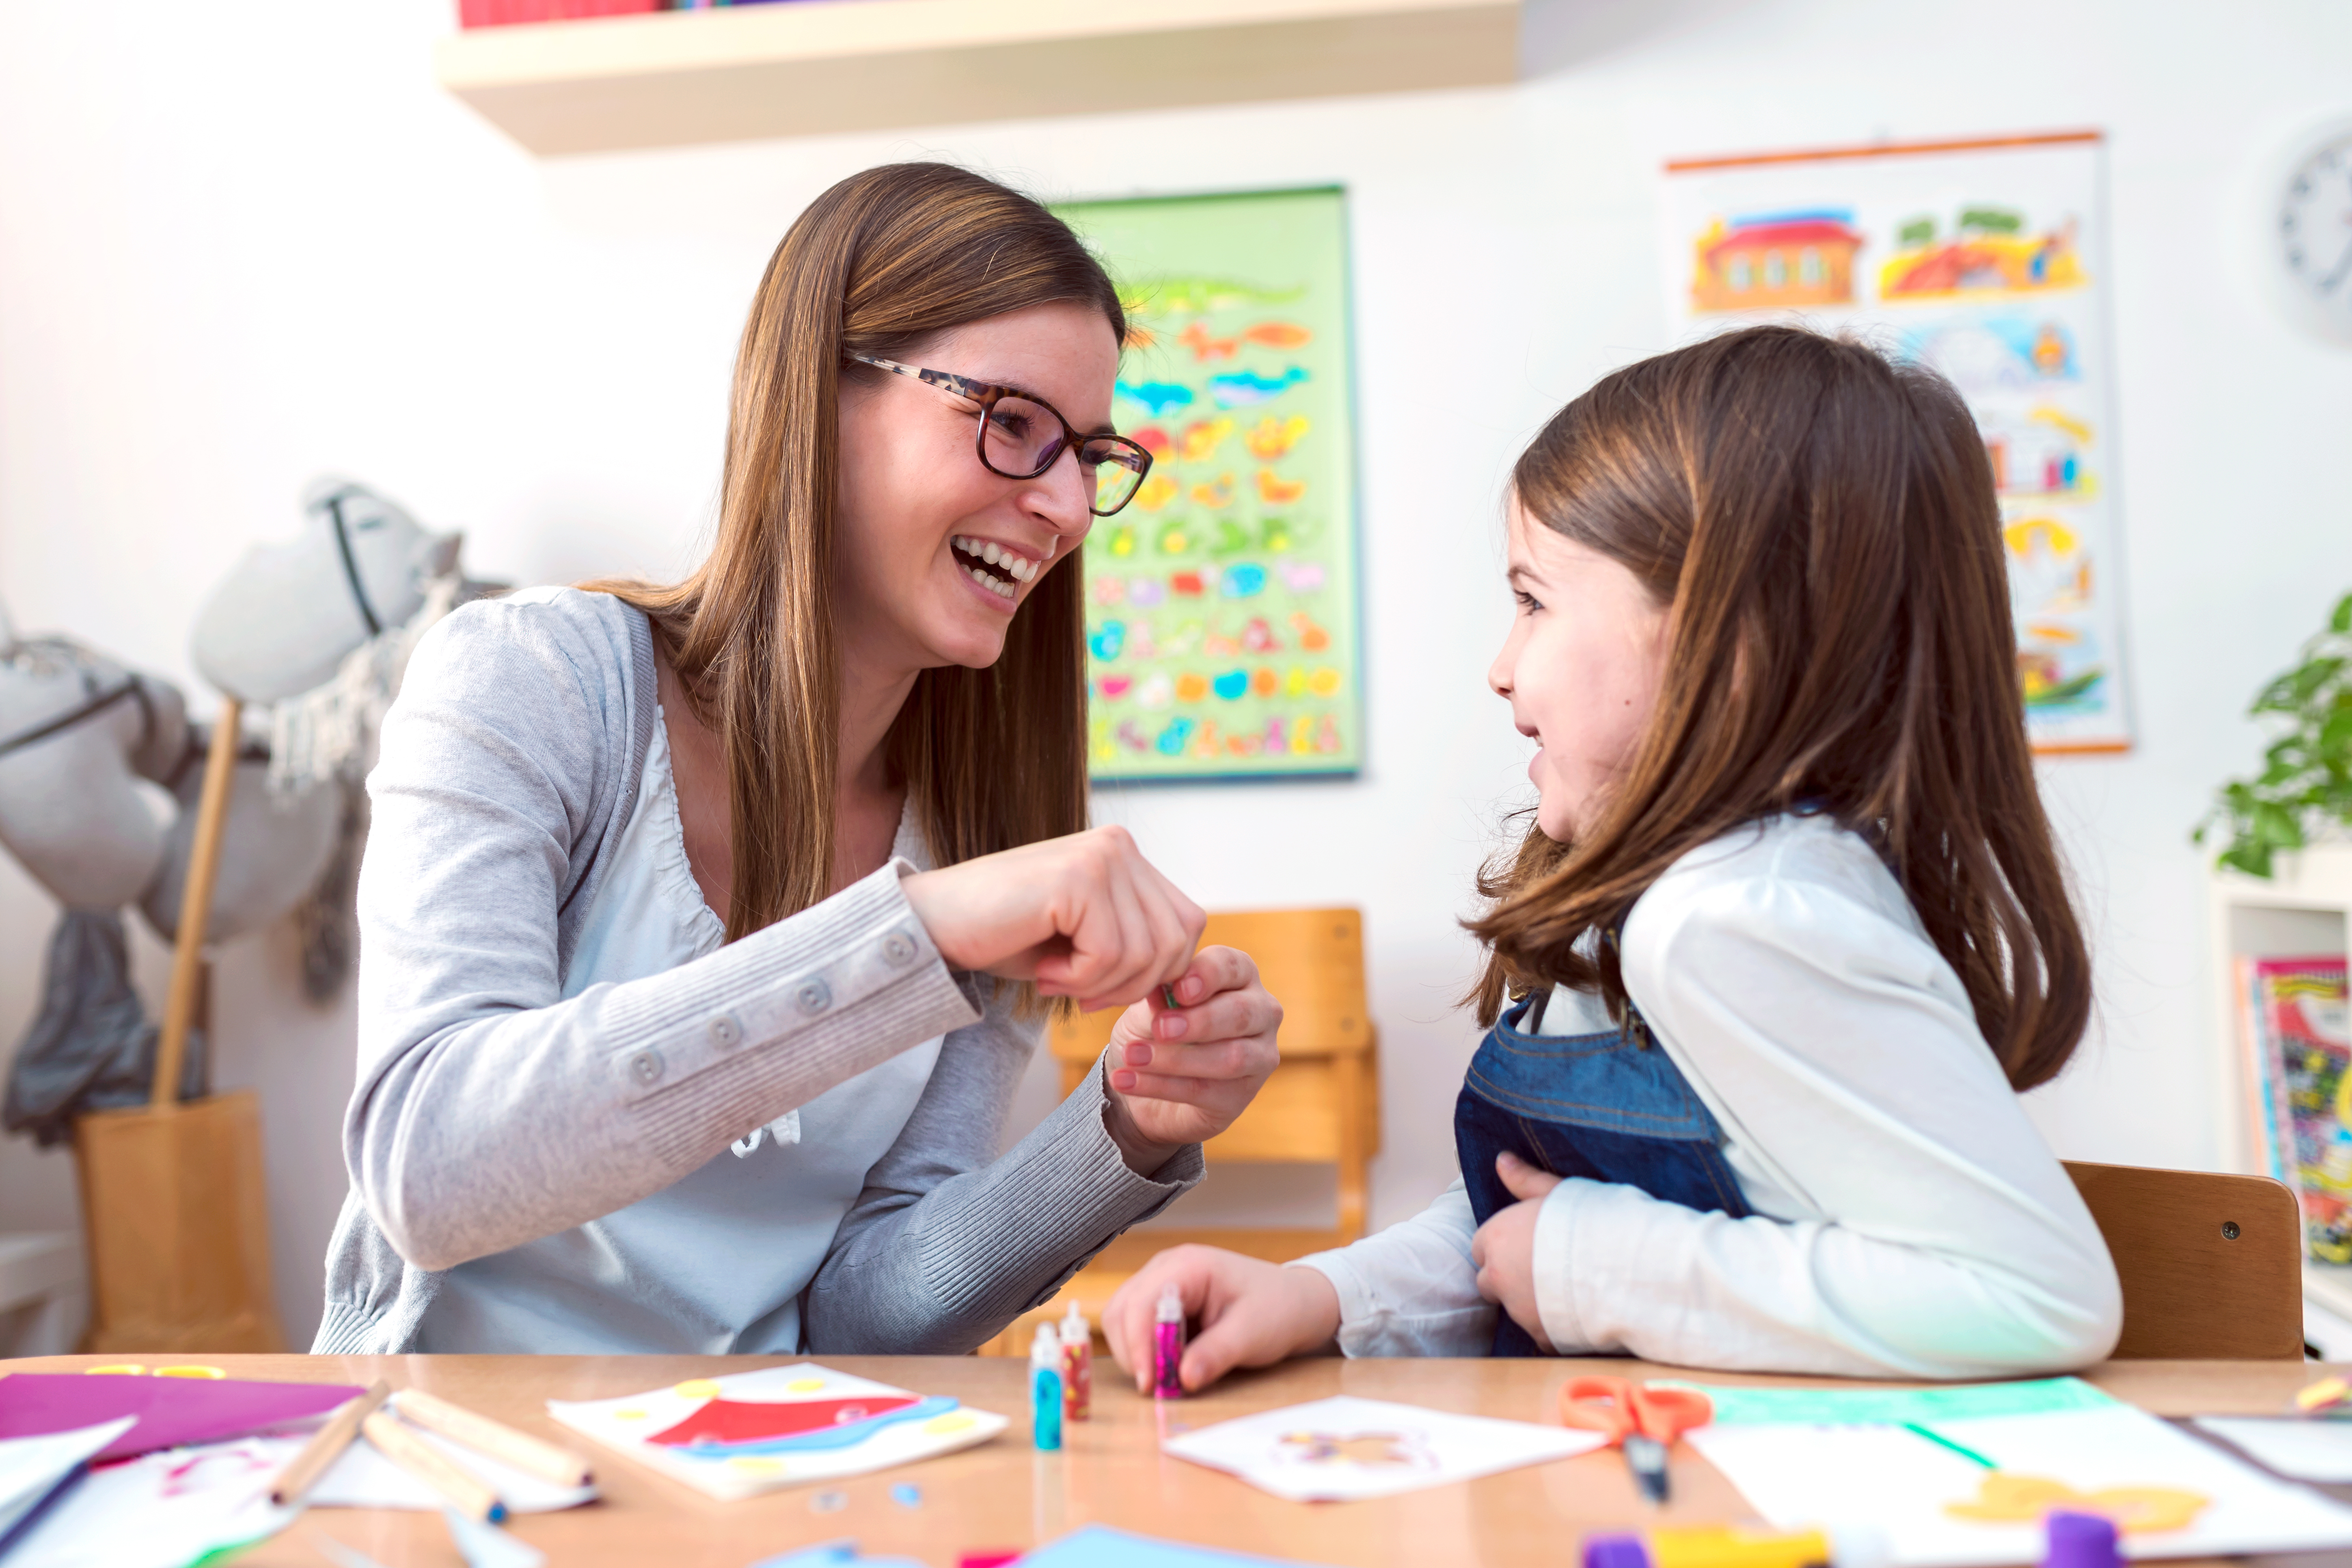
x=1073, y=1326
x=1615, y=1552
x=2081, y=1541
x=1171, y=1306
x=1047, y=1345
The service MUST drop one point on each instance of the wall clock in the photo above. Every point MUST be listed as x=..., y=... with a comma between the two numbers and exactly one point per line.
x=2311, y=239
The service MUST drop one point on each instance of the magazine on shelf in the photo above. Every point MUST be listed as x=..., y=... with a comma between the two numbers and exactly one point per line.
x=2297, y=1043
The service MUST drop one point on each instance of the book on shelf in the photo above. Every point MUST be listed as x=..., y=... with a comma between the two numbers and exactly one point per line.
x=2295, y=1045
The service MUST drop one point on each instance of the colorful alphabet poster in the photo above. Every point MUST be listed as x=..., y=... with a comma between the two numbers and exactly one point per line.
x=1221, y=604
x=1985, y=260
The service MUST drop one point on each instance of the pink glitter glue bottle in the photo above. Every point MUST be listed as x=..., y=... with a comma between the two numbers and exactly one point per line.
x=1168, y=1346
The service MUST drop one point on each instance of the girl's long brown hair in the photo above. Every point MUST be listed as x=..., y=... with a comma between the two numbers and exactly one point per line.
x=992, y=758
x=1822, y=525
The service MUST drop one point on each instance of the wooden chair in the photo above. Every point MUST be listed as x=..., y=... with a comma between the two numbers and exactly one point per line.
x=1321, y=1106
x=2212, y=1265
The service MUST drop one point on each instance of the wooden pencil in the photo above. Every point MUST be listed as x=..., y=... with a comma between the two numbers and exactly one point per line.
x=521, y=1449
x=302, y=1472
x=435, y=1468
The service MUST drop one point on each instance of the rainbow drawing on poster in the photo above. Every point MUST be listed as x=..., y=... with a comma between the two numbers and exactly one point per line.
x=1977, y=260
x=1221, y=604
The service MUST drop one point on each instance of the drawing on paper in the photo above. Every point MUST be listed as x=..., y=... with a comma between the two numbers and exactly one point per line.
x=1365, y=1450
x=1975, y=259
x=2004, y=1499
x=1221, y=604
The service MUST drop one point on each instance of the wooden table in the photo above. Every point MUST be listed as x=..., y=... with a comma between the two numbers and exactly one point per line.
x=1005, y=1495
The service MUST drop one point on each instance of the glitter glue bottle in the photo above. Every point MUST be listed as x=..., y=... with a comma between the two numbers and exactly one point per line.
x=1045, y=1389
x=1168, y=1346
x=1077, y=1365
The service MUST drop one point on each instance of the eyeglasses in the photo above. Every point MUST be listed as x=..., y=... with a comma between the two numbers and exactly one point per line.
x=1021, y=437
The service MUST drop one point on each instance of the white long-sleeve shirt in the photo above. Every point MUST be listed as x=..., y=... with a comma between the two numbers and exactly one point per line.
x=1908, y=1219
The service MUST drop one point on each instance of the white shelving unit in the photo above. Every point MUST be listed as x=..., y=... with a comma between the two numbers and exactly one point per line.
x=2304, y=909
x=672, y=78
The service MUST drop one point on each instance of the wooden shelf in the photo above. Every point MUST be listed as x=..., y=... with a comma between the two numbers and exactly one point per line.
x=674, y=78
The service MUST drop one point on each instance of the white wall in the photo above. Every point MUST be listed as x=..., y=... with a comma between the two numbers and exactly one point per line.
x=243, y=244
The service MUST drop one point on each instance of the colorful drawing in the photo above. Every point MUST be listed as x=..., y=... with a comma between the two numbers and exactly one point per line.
x=1368, y=1449
x=1976, y=260
x=2004, y=1499
x=1223, y=572
x=1990, y=254
x=1272, y=438
x=1776, y=262
x=1247, y=386
x=1157, y=395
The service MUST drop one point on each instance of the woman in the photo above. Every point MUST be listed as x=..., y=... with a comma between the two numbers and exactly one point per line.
x=594, y=1116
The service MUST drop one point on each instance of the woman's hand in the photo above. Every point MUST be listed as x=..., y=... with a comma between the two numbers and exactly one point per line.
x=1182, y=1075
x=1504, y=1250
x=1247, y=1313
x=1084, y=915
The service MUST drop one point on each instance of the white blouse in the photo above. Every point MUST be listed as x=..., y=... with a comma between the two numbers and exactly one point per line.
x=1909, y=1221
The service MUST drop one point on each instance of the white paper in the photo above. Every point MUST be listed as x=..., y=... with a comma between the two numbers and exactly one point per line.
x=624, y=1425
x=1900, y=1483
x=30, y=1468
x=159, y=1511
x=363, y=1478
x=2308, y=1449
x=1341, y=1449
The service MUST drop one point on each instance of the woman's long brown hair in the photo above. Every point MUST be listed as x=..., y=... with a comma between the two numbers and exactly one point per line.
x=992, y=758
x=1821, y=525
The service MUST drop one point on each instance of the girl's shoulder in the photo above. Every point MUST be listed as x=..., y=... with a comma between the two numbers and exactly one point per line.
x=1798, y=883
x=591, y=635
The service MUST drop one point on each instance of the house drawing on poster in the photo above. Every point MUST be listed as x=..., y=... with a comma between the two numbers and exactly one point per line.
x=1776, y=261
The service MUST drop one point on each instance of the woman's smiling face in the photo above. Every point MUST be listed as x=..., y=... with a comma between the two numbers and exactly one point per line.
x=935, y=554
x=1580, y=669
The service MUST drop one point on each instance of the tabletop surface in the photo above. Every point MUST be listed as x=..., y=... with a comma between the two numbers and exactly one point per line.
x=1005, y=1495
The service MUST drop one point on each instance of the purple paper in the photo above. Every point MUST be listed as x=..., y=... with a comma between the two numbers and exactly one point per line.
x=171, y=1410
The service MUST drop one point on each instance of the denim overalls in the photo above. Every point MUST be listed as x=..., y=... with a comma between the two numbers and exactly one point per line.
x=1610, y=1105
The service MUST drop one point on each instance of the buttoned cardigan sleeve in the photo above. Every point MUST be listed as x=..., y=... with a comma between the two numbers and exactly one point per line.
x=490, y=1109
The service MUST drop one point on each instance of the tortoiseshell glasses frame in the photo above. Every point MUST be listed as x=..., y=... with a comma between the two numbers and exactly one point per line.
x=1025, y=446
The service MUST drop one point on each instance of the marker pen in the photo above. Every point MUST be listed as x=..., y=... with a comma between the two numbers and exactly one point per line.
x=1045, y=1389
x=1077, y=1365
x=1168, y=1346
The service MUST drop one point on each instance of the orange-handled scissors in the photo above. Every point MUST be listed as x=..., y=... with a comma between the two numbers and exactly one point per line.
x=1644, y=1418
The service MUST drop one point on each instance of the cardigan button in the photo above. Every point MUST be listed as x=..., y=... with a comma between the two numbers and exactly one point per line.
x=646, y=1066
x=899, y=948
x=725, y=1032
x=814, y=997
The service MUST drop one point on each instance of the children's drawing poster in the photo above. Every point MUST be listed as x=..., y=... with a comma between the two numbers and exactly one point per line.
x=1986, y=260
x=1221, y=604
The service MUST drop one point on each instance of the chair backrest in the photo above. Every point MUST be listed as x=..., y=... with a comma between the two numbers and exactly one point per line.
x=2212, y=1265
x=1321, y=1106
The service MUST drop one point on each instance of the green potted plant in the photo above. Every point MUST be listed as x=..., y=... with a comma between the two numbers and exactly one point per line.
x=2305, y=784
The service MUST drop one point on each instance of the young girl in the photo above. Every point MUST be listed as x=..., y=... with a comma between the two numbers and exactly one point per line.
x=1787, y=936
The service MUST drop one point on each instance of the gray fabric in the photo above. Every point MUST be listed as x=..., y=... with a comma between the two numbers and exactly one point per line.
x=489, y=1111
x=90, y=1046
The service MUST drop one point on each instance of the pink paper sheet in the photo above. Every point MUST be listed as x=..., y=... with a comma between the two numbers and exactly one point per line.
x=171, y=1410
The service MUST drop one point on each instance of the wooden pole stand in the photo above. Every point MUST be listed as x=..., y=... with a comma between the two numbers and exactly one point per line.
x=174, y=1208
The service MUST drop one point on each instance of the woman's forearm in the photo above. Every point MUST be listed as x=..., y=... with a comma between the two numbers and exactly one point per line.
x=479, y=1125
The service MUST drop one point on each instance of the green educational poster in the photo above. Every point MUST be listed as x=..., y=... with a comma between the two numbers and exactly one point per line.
x=1221, y=604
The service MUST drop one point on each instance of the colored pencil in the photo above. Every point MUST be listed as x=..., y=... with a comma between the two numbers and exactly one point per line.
x=431, y=1466
x=302, y=1472
x=521, y=1449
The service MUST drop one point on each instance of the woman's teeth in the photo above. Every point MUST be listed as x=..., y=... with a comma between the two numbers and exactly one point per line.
x=1018, y=568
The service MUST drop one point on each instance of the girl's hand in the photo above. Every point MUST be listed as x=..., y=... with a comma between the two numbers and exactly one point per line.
x=1181, y=1076
x=1504, y=1250
x=1084, y=915
x=1246, y=1311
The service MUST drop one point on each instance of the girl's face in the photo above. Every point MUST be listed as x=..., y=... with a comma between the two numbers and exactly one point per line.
x=917, y=511
x=1580, y=669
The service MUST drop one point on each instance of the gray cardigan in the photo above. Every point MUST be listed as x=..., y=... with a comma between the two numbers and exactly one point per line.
x=490, y=1111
